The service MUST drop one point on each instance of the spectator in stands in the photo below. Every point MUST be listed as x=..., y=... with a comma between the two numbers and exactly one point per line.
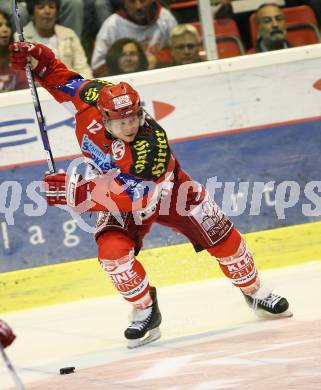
x=124, y=56
x=271, y=28
x=62, y=40
x=105, y=8
x=143, y=20
x=9, y=79
x=96, y=12
x=185, y=44
x=71, y=13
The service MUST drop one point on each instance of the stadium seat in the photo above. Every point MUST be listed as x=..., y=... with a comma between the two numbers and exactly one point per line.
x=221, y=27
x=229, y=46
x=301, y=25
x=303, y=34
x=228, y=38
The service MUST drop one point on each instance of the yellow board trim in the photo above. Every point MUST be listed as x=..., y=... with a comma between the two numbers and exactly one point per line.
x=59, y=283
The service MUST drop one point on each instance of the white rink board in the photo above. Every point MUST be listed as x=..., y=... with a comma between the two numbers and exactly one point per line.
x=209, y=97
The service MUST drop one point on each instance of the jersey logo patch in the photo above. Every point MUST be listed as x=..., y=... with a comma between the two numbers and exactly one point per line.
x=122, y=101
x=118, y=148
x=103, y=160
x=151, y=154
x=90, y=93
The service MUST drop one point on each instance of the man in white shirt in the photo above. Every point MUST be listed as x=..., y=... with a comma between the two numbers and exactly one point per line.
x=144, y=20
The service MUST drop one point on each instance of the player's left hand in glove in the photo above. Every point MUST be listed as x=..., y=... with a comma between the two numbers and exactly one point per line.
x=6, y=334
x=39, y=56
x=63, y=189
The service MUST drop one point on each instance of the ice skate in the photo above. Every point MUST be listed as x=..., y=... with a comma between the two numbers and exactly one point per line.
x=144, y=326
x=267, y=304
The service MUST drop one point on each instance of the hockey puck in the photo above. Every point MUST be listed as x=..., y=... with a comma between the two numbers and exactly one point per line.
x=67, y=370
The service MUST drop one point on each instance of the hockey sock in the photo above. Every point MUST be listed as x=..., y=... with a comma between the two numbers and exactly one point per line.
x=116, y=257
x=237, y=262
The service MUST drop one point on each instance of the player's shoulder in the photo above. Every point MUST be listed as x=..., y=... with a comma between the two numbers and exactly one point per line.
x=89, y=91
x=80, y=90
x=90, y=122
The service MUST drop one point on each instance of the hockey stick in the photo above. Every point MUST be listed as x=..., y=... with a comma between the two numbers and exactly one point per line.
x=34, y=93
x=17, y=381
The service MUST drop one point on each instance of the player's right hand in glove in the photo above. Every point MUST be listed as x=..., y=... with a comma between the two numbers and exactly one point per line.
x=101, y=193
x=39, y=56
x=6, y=334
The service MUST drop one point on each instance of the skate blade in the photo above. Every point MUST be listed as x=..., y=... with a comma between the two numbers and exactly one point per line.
x=269, y=316
x=152, y=335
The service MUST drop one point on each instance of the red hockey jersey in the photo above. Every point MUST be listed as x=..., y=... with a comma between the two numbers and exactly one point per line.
x=139, y=169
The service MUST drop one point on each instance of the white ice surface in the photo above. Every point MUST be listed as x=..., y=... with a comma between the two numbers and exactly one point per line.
x=90, y=332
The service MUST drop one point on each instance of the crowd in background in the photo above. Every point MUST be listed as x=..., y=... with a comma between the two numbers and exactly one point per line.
x=99, y=38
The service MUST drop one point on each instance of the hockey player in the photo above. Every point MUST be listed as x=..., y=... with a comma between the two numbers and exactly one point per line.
x=137, y=182
x=6, y=334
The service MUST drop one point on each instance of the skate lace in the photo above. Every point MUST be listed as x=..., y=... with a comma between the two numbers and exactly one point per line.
x=269, y=302
x=140, y=318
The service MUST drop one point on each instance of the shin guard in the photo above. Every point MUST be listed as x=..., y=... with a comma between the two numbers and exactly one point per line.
x=239, y=267
x=125, y=271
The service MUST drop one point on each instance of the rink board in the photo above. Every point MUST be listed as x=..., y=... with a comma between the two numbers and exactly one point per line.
x=55, y=284
x=250, y=119
x=278, y=153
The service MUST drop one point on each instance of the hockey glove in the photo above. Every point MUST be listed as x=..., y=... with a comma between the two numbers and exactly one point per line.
x=63, y=189
x=103, y=193
x=22, y=52
x=6, y=334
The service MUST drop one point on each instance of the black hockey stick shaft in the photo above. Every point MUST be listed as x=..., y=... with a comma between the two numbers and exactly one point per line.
x=34, y=93
x=17, y=381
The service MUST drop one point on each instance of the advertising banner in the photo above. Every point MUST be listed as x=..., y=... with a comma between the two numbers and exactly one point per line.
x=247, y=128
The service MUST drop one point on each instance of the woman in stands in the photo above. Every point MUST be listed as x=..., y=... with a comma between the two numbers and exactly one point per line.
x=10, y=79
x=126, y=55
x=62, y=40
